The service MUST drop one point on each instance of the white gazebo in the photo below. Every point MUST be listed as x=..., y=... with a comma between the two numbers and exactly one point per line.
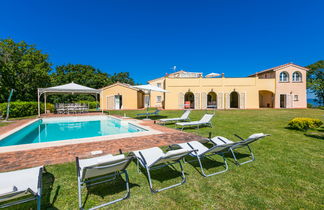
x=71, y=88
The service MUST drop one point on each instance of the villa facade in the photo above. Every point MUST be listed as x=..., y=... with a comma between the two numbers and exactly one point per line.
x=279, y=87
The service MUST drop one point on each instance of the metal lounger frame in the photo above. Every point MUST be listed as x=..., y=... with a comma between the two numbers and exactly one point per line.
x=143, y=163
x=100, y=180
x=36, y=196
x=203, y=156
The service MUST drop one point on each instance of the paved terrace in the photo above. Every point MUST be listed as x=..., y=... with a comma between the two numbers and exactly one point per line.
x=67, y=153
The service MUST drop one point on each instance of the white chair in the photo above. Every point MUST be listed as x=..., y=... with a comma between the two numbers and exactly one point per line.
x=154, y=158
x=98, y=170
x=184, y=117
x=200, y=151
x=21, y=186
x=205, y=120
x=220, y=140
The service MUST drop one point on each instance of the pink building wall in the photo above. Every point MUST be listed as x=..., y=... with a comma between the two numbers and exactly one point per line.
x=291, y=89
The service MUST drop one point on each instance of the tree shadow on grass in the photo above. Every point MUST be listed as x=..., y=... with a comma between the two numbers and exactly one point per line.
x=315, y=135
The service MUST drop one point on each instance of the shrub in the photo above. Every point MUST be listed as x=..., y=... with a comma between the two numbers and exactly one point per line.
x=92, y=104
x=24, y=108
x=304, y=123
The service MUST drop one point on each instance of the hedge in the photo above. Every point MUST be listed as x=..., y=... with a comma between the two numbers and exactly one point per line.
x=24, y=108
x=92, y=104
x=304, y=123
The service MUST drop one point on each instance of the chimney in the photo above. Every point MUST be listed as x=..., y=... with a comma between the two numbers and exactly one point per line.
x=223, y=75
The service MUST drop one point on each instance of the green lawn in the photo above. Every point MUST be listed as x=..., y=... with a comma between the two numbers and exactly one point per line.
x=288, y=172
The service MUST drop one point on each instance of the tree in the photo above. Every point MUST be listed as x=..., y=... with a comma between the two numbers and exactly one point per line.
x=315, y=80
x=81, y=74
x=23, y=68
x=122, y=77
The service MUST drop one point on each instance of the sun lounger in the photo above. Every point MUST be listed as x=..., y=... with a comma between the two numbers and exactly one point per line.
x=218, y=140
x=184, y=117
x=156, y=112
x=99, y=170
x=21, y=186
x=155, y=158
x=205, y=120
x=201, y=151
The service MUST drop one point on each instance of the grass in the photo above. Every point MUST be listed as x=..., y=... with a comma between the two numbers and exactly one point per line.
x=288, y=172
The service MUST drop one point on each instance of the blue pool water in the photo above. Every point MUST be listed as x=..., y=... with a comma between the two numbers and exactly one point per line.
x=48, y=130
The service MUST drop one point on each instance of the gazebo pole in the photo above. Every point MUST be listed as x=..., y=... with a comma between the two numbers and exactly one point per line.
x=38, y=105
x=45, y=103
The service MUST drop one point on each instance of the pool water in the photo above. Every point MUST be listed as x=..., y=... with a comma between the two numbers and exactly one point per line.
x=48, y=130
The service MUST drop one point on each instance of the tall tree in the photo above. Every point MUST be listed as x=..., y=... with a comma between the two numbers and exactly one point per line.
x=315, y=80
x=122, y=77
x=81, y=74
x=23, y=68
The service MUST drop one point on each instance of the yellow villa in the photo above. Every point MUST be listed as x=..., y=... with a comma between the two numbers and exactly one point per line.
x=279, y=87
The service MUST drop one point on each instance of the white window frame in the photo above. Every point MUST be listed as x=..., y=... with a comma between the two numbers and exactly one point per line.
x=158, y=99
x=296, y=75
x=281, y=77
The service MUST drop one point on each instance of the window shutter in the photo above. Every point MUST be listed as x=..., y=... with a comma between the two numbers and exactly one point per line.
x=219, y=100
x=197, y=101
x=203, y=100
x=181, y=101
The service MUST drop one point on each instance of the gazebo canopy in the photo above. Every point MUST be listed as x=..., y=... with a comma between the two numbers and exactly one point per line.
x=69, y=88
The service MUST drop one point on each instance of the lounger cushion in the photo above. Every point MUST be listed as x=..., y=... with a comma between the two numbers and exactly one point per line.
x=189, y=123
x=21, y=179
x=7, y=190
x=175, y=152
x=220, y=140
x=170, y=119
x=150, y=155
x=196, y=146
x=99, y=161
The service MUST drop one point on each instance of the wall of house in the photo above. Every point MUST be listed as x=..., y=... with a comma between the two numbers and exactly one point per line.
x=291, y=88
x=247, y=88
x=129, y=97
x=154, y=94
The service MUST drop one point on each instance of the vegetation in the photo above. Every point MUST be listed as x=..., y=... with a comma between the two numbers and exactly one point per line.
x=288, y=171
x=315, y=80
x=24, y=108
x=25, y=68
x=304, y=124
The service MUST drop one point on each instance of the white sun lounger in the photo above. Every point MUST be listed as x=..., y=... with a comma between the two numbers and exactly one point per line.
x=99, y=170
x=219, y=140
x=201, y=151
x=205, y=120
x=155, y=158
x=184, y=117
x=19, y=184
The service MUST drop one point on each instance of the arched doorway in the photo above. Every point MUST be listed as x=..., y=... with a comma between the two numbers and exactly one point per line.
x=189, y=100
x=266, y=99
x=212, y=100
x=234, y=100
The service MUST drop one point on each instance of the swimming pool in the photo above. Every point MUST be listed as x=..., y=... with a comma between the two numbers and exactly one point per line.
x=67, y=128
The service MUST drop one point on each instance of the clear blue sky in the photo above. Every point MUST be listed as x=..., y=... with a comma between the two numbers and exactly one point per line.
x=147, y=38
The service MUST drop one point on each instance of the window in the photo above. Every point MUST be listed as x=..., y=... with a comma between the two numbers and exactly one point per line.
x=284, y=77
x=158, y=99
x=158, y=85
x=297, y=77
x=295, y=97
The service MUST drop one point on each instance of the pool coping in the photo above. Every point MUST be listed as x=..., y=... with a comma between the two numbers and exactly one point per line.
x=24, y=147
